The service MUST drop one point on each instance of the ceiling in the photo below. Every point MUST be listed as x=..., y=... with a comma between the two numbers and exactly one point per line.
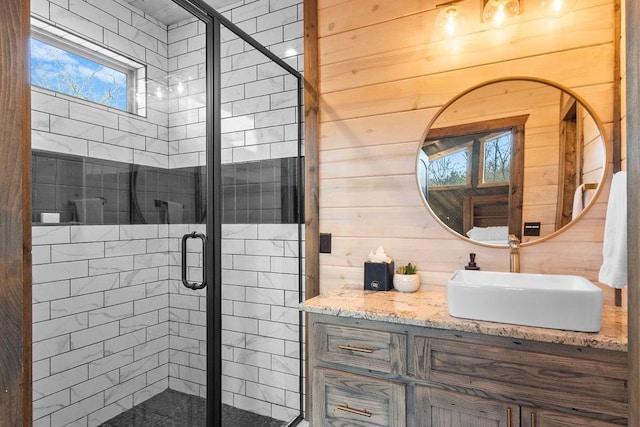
x=168, y=12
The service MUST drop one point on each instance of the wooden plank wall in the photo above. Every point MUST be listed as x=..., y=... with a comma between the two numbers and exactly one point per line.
x=384, y=74
x=15, y=216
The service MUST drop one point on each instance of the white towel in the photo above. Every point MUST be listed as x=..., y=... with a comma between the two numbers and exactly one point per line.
x=614, y=250
x=174, y=213
x=90, y=211
x=581, y=199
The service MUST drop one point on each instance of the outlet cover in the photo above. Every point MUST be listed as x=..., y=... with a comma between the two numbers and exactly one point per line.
x=325, y=243
x=531, y=228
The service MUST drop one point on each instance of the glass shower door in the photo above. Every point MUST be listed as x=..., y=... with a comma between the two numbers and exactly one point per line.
x=261, y=259
x=120, y=194
x=189, y=108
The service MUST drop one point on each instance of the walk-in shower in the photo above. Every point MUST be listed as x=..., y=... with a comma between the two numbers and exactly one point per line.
x=167, y=212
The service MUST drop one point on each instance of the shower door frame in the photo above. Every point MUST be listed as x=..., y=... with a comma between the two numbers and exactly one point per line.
x=214, y=20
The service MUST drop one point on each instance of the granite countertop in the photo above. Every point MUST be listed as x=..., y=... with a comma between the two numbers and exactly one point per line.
x=428, y=308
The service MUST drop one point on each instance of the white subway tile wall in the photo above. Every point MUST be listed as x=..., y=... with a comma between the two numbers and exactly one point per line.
x=260, y=375
x=113, y=324
x=123, y=331
x=102, y=335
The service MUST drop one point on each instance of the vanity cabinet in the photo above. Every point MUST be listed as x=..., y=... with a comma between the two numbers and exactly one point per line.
x=373, y=373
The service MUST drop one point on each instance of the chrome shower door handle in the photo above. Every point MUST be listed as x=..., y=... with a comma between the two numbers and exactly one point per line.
x=185, y=281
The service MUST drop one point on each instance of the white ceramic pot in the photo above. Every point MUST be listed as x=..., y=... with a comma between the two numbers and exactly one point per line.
x=406, y=282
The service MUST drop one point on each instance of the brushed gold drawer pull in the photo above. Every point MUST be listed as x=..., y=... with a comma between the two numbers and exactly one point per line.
x=509, y=417
x=351, y=348
x=534, y=422
x=354, y=411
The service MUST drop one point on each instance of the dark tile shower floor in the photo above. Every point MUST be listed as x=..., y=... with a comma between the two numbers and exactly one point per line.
x=175, y=409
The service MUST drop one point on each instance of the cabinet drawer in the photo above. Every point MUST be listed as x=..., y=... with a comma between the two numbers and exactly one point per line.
x=548, y=379
x=361, y=348
x=343, y=399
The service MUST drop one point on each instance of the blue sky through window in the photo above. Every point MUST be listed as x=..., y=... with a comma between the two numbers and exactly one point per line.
x=66, y=72
x=451, y=169
x=497, y=159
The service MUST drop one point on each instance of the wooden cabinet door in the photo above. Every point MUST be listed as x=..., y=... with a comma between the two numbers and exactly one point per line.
x=441, y=408
x=536, y=417
x=343, y=399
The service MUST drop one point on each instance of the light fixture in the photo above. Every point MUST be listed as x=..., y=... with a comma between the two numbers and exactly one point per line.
x=450, y=18
x=556, y=7
x=497, y=12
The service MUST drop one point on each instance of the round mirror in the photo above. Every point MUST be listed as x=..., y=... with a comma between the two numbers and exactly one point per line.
x=517, y=156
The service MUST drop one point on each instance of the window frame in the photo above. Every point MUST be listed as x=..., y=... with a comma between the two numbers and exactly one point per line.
x=482, y=153
x=468, y=147
x=93, y=52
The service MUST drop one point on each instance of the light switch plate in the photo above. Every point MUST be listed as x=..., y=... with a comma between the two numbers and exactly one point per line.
x=325, y=243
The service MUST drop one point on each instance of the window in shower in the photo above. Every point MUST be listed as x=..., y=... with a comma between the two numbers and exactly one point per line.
x=67, y=64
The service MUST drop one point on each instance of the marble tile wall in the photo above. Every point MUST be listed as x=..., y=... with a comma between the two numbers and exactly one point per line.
x=100, y=320
x=113, y=324
x=259, y=97
x=260, y=318
x=187, y=84
x=65, y=124
x=259, y=118
x=261, y=362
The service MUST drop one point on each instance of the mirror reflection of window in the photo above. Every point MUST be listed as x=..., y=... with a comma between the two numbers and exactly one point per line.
x=496, y=159
x=563, y=161
x=492, y=193
x=450, y=168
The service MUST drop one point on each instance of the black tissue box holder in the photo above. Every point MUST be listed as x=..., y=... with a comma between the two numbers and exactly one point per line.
x=378, y=276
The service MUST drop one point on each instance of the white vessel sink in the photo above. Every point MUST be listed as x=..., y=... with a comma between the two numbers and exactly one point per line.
x=548, y=301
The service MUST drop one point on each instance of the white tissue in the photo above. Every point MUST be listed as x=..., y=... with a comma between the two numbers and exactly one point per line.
x=379, y=256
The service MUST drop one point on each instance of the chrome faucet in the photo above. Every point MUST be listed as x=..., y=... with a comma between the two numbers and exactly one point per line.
x=514, y=256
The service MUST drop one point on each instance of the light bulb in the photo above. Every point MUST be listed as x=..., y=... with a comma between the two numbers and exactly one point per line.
x=497, y=12
x=499, y=17
x=450, y=19
x=556, y=7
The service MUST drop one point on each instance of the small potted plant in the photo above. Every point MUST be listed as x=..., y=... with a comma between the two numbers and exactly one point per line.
x=406, y=279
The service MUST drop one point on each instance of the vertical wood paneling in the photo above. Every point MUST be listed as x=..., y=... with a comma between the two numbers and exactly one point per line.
x=617, y=115
x=15, y=211
x=632, y=17
x=311, y=173
x=311, y=121
x=384, y=69
x=617, y=93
